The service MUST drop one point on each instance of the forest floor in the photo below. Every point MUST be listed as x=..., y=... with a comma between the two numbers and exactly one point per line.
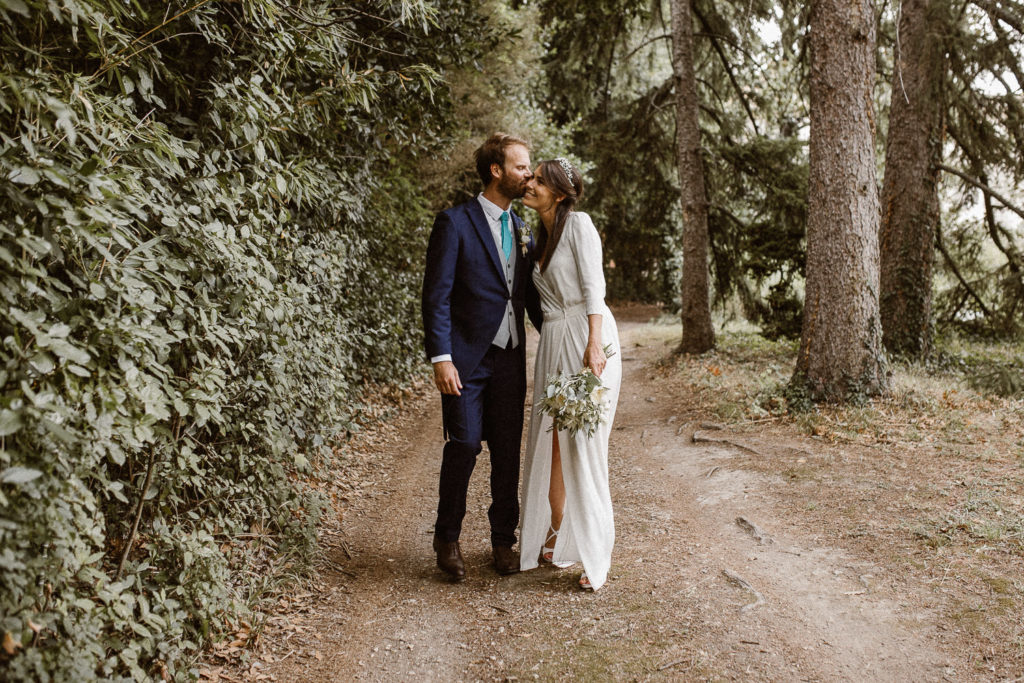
x=883, y=542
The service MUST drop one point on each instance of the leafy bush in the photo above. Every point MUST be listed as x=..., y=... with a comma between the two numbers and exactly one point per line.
x=210, y=233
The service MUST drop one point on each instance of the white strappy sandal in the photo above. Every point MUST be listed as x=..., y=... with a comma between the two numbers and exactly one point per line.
x=547, y=552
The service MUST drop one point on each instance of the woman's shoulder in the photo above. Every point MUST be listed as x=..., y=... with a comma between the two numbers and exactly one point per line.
x=579, y=222
x=580, y=219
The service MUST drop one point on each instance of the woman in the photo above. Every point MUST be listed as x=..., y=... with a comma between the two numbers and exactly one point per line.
x=567, y=508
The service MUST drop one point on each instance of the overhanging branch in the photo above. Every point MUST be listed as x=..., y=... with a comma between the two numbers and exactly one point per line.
x=956, y=271
x=984, y=188
x=645, y=44
x=1001, y=13
x=728, y=68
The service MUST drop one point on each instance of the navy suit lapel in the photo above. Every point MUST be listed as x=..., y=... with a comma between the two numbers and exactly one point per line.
x=483, y=230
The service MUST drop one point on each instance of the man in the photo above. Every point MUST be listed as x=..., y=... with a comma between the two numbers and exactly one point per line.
x=475, y=288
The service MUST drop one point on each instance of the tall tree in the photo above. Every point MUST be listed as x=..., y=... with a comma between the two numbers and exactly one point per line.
x=698, y=335
x=841, y=342
x=910, y=197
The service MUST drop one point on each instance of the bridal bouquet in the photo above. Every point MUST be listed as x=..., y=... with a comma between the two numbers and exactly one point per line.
x=576, y=403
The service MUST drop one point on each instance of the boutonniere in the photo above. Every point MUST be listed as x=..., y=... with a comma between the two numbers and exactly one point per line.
x=525, y=235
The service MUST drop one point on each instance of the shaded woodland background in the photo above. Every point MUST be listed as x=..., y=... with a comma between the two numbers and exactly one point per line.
x=214, y=216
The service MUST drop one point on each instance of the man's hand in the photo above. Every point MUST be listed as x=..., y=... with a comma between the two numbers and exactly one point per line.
x=446, y=377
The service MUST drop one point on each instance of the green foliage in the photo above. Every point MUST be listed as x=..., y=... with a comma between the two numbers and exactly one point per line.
x=609, y=67
x=759, y=241
x=500, y=89
x=210, y=233
x=987, y=367
x=1000, y=380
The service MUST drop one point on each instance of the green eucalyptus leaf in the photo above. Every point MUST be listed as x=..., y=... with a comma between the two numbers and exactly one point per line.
x=19, y=475
x=10, y=422
x=24, y=175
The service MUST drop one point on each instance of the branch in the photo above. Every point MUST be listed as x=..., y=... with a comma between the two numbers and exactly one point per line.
x=956, y=271
x=138, y=515
x=645, y=44
x=647, y=104
x=182, y=13
x=713, y=113
x=993, y=230
x=348, y=35
x=608, y=69
x=984, y=188
x=105, y=69
x=728, y=68
x=710, y=86
x=1011, y=63
x=1007, y=17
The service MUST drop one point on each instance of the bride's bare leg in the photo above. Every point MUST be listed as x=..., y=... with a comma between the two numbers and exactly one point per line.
x=556, y=491
x=556, y=498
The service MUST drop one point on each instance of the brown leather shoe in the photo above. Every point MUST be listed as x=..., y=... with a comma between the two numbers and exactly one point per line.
x=449, y=558
x=506, y=560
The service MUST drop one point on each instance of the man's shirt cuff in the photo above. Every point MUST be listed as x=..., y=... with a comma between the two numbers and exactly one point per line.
x=442, y=357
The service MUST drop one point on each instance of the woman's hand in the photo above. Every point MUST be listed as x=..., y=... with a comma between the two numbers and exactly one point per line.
x=594, y=358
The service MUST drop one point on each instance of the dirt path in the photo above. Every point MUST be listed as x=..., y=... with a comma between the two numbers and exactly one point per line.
x=692, y=594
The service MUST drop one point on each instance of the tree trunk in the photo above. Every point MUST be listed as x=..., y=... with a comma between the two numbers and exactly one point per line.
x=698, y=335
x=910, y=198
x=841, y=355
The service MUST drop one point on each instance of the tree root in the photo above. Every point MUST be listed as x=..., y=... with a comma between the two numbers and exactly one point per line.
x=754, y=530
x=698, y=437
x=745, y=585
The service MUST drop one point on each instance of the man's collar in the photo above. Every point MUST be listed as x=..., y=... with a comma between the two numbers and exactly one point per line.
x=491, y=210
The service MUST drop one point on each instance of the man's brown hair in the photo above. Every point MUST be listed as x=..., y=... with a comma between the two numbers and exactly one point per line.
x=493, y=152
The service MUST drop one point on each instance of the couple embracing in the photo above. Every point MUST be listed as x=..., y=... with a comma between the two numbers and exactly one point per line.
x=484, y=270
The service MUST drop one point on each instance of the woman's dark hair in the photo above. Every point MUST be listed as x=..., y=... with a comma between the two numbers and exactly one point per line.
x=493, y=152
x=561, y=180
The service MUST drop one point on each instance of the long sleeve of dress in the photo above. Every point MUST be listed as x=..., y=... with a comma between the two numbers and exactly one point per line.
x=586, y=247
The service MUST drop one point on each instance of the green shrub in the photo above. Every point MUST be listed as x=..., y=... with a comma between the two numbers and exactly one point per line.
x=210, y=232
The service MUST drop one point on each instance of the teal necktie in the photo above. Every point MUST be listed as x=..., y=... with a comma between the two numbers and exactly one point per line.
x=506, y=235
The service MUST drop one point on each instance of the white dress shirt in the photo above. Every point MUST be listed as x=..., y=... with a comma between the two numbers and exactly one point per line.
x=507, y=329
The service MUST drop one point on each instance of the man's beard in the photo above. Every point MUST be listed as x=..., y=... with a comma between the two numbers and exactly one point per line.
x=511, y=187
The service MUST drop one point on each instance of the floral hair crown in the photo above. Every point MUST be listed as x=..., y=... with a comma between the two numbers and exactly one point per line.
x=567, y=167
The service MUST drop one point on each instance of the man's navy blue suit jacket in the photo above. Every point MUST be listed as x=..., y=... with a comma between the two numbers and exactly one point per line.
x=464, y=287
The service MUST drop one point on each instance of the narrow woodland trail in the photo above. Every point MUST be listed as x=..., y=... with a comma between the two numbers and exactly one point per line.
x=692, y=595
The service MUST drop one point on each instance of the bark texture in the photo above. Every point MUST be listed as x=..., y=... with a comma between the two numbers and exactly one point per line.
x=698, y=335
x=841, y=354
x=910, y=199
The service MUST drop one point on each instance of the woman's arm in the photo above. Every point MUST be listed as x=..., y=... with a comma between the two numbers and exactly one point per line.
x=593, y=355
x=586, y=246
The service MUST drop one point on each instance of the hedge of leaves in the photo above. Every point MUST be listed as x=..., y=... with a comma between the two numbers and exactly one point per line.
x=210, y=234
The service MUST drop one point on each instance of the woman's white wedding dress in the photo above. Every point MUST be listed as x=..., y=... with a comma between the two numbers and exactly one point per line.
x=570, y=288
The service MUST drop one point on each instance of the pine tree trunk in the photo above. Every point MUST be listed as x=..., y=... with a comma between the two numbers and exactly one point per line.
x=910, y=199
x=841, y=355
x=698, y=335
